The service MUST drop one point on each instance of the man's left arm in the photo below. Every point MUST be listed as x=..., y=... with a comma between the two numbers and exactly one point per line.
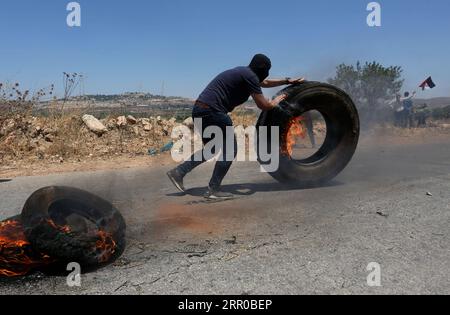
x=271, y=83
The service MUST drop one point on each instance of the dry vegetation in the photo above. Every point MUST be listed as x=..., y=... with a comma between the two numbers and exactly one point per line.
x=61, y=137
x=67, y=137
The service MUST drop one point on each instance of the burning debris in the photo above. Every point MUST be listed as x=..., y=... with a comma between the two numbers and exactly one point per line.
x=105, y=246
x=59, y=225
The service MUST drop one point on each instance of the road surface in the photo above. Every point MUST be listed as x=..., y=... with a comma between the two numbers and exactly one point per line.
x=272, y=240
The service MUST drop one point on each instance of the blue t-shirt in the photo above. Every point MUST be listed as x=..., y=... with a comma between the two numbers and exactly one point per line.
x=230, y=89
x=408, y=105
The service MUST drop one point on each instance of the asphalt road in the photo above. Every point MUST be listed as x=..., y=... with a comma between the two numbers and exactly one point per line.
x=272, y=240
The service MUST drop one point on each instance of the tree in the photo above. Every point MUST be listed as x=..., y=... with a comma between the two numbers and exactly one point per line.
x=370, y=85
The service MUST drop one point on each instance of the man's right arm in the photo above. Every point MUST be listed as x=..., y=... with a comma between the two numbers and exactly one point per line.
x=410, y=97
x=271, y=83
x=265, y=104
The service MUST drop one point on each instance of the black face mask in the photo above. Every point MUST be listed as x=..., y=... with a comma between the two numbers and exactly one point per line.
x=261, y=66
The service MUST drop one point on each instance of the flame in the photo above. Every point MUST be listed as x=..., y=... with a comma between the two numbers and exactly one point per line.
x=16, y=256
x=294, y=129
x=105, y=246
x=65, y=229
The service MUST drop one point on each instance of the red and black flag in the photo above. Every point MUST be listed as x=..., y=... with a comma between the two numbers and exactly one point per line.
x=427, y=84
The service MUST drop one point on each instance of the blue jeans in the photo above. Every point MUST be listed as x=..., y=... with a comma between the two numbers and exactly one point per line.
x=209, y=118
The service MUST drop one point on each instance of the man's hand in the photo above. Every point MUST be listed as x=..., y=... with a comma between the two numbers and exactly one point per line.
x=277, y=100
x=265, y=104
x=296, y=81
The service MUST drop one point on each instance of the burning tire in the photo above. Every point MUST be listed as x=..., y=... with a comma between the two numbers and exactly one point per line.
x=71, y=225
x=342, y=124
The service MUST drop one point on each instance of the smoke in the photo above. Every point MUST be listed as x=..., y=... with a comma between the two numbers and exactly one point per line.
x=320, y=71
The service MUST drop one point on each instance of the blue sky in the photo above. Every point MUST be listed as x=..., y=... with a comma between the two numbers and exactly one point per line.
x=137, y=44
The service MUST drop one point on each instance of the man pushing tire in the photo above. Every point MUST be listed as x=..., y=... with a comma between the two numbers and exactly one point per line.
x=227, y=91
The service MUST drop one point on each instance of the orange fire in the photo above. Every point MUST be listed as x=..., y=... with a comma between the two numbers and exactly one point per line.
x=294, y=129
x=16, y=256
x=105, y=246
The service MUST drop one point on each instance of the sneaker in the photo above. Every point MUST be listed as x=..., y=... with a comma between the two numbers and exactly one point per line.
x=177, y=179
x=214, y=194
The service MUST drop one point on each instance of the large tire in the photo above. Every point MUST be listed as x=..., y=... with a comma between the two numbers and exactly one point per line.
x=342, y=122
x=65, y=247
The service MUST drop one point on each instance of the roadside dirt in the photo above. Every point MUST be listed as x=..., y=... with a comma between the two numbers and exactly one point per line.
x=24, y=168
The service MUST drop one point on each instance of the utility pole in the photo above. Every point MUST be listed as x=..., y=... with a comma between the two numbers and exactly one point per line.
x=162, y=88
x=82, y=85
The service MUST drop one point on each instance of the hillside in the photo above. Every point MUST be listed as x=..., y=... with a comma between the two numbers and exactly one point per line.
x=130, y=99
x=437, y=102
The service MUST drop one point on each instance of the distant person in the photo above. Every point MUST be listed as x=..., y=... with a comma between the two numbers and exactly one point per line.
x=227, y=91
x=422, y=113
x=398, y=110
x=397, y=105
x=407, y=114
x=307, y=118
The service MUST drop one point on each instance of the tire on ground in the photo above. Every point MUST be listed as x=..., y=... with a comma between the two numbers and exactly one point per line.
x=47, y=238
x=342, y=122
